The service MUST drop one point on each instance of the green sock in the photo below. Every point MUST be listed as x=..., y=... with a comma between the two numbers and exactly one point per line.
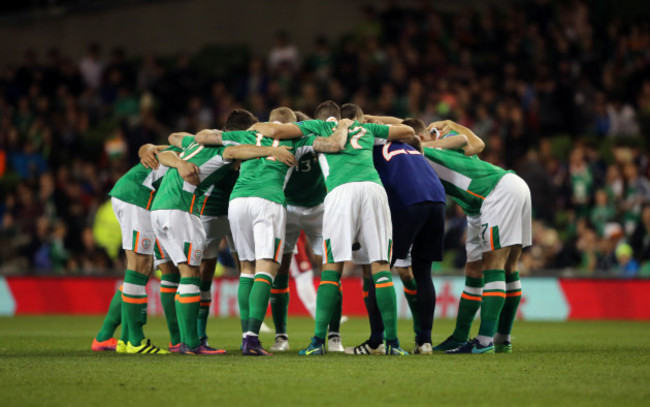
x=470, y=301
x=243, y=294
x=326, y=297
x=124, y=335
x=494, y=295
x=280, y=302
x=168, y=287
x=189, y=298
x=509, y=311
x=179, y=315
x=112, y=319
x=204, y=308
x=386, y=302
x=335, y=321
x=411, y=293
x=259, y=301
x=134, y=300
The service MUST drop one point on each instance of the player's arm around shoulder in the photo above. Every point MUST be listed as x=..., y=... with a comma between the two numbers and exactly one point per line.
x=474, y=145
x=405, y=134
x=249, y=152
x=456, y=142
x=209, y=137
x=336, y=141
x=187, y=170
x=147, y=154
x=280, y=131
x=180, y=139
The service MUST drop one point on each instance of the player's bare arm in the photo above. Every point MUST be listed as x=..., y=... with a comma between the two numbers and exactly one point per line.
x=176, y=139
x=405, y=134
x=187, y=170
x=474, y=143
x=382, y=119
x=280, y=131
x=147, y=155
x=456, y=142
x=335, y=142
x=248, y=152
x=209, y=137
x=400, y=132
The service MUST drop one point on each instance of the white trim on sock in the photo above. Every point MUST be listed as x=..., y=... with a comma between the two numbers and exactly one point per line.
x=188, y=289
x=514, y=285
x=484, y=340
x=473, y=290
x=495, y=285
x=264, y=273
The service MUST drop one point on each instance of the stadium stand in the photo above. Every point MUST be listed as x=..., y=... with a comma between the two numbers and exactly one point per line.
x=564, y=99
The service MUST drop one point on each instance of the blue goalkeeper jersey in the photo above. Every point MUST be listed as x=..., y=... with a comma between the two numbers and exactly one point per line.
x=406, y=175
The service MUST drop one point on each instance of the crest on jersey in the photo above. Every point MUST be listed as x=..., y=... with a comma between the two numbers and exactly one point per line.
x=146, y=244
x=197, y=255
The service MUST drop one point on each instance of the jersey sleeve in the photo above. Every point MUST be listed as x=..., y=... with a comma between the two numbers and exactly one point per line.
x=186, y=141
x=174, y=149
x=238, y=137
x=313, y=127
x=377, y=130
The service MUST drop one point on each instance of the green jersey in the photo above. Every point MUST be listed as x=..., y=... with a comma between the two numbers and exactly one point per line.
x=354, y=162
x=468, y=180
x=215, y=201
x=138, y=186
x=306, y=186
x=177, y=194
x=265, y=177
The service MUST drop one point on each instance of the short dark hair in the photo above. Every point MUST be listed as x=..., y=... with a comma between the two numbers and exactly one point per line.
x=240, y=119
x=351, y=111
x=417, y=125
x=283, y=115
x=300, y=116
x=326, y=110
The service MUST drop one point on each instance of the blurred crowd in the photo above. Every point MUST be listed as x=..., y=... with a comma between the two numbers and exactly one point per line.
x=560, y=92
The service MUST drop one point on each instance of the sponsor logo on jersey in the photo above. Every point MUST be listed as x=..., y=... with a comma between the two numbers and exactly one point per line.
x=383, y=279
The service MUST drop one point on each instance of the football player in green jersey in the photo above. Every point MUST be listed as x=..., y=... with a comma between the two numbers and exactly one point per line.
x=257, y=213
x=214, y=217
x=131, y=199
x=356, y=209
x=498, y=208
x=305, y=192
x=175, y=219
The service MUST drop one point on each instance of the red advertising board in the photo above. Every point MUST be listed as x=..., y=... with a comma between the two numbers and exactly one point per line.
x=544, y=298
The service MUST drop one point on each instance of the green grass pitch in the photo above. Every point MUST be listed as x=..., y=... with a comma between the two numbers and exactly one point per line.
x=47, y=361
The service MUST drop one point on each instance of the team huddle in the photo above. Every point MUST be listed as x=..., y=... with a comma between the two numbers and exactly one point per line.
x=360, y=188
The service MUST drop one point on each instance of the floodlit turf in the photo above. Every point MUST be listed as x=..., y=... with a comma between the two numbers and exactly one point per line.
x=47, y=361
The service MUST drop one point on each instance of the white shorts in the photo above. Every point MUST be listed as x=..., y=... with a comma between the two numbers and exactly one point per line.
x=473, y=241
x=216, y=228
x=258, y=227
x=357, y=212
x=309, y=220
x=505, y=219
x=180, y=235
x=135, y=224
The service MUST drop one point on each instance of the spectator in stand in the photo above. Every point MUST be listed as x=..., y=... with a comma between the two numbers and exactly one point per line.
x=283, y=53
x=91, y=67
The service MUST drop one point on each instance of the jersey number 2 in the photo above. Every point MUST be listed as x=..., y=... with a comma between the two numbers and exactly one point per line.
x=354, y=141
